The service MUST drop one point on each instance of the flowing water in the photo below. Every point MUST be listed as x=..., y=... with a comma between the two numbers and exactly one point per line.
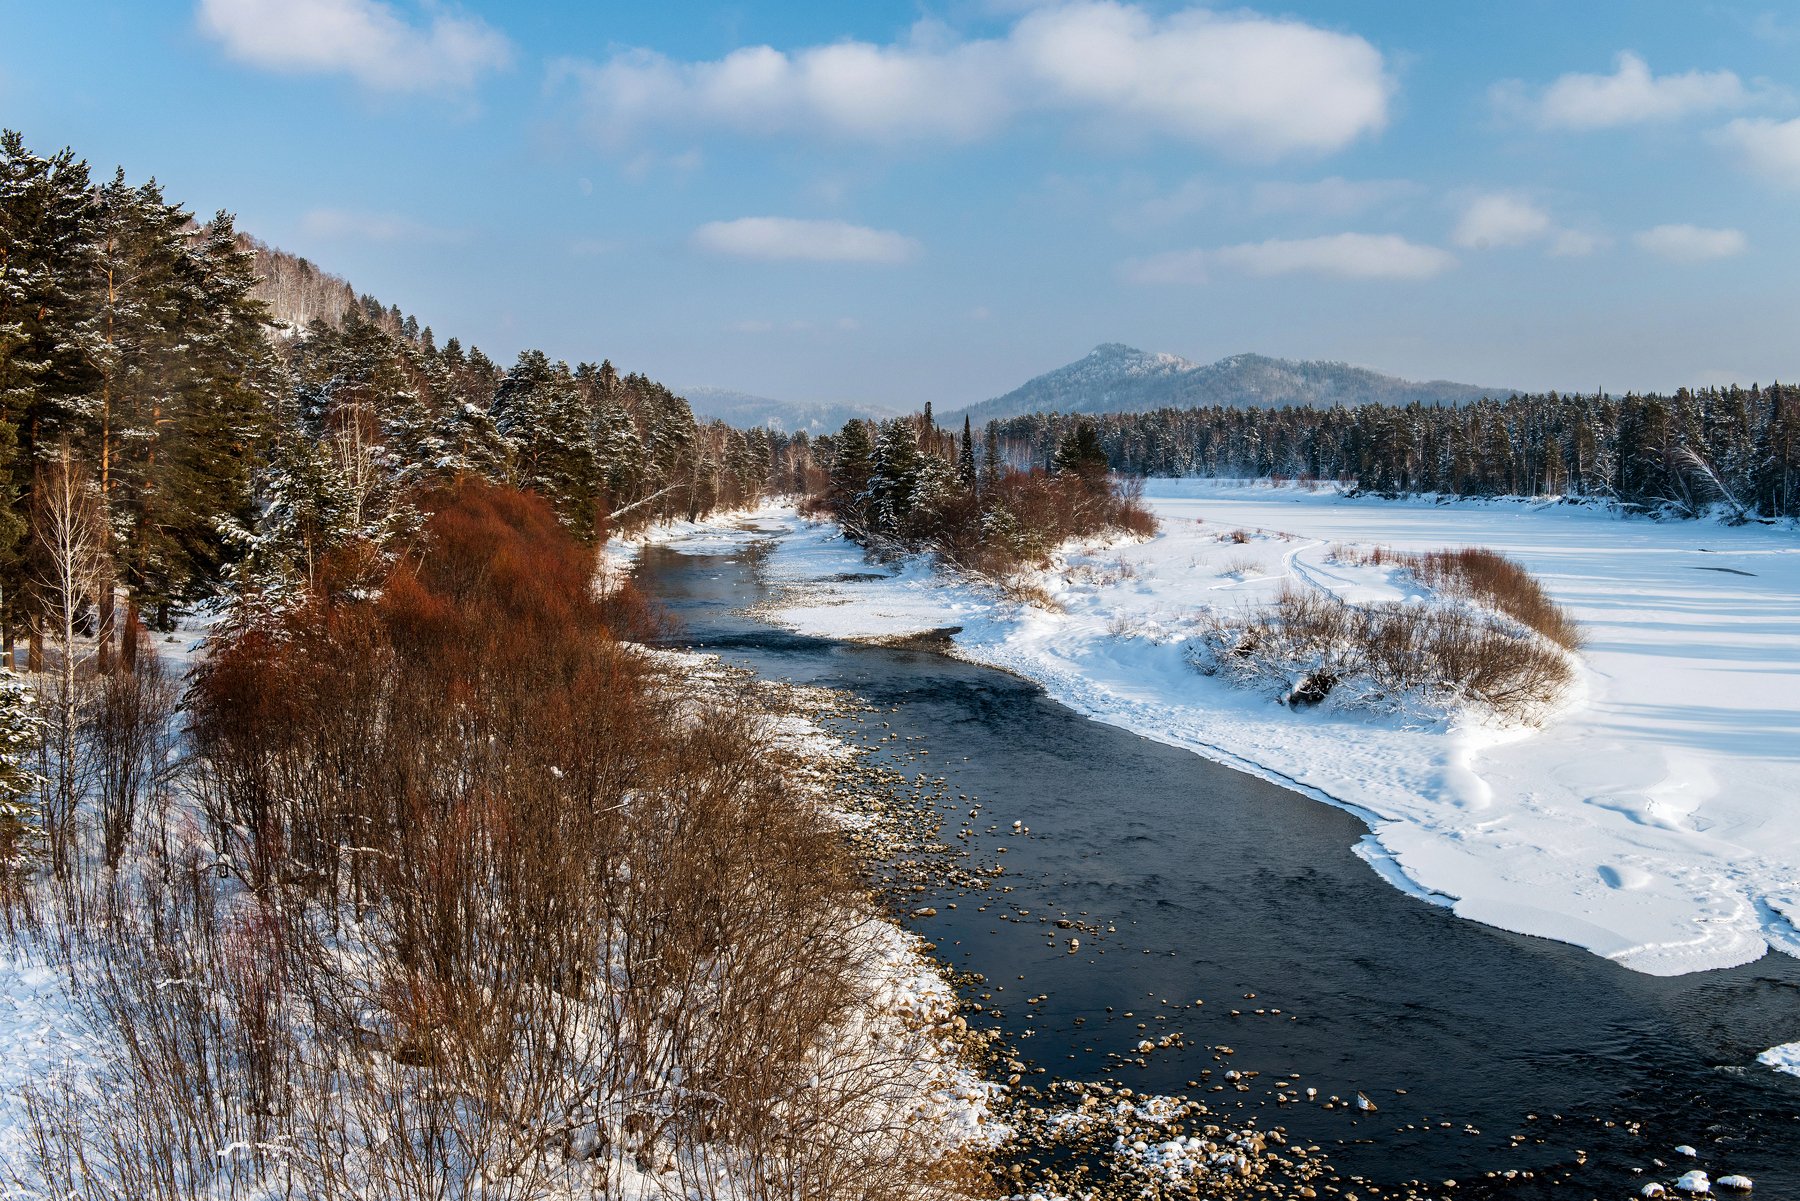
x=1514, y=1054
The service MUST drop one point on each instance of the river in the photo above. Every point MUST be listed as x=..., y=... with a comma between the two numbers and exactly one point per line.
x=1483, y=1051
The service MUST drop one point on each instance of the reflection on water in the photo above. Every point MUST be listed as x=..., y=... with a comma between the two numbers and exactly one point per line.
x=1513, y=1053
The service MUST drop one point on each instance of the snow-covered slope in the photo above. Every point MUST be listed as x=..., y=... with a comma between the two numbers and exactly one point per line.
x=1114, y=378
x=1654, y=823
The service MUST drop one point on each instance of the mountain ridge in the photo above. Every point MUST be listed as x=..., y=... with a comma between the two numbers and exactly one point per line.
x=1116, y=378
x=746, y=409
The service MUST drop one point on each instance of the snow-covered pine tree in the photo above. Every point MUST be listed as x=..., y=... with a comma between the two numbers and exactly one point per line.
x=894, y=484
x=965, y=459
x=539, y=412
x=21, y=834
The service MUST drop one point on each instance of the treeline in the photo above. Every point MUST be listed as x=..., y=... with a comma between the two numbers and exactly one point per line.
x=906, y=483
x=234, y=412
x=1677, y=455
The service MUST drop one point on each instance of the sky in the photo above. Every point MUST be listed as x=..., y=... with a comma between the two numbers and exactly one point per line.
x=888, y=203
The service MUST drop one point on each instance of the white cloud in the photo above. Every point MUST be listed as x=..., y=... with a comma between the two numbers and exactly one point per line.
x=368, y=40
x=344, y=225
x=1629, y=96
x=774, y=238
x=1770, y=148
x=1347, y=256
x=1495, y=219
x=1691, y=243
x=1342, y=256
x=1244, y=83
x=1500, y=219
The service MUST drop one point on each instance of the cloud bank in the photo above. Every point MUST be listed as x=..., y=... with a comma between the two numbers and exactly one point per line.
x=1631, y=95
x=1246, y=84
x=1338, y=256
x=368, y=40
x=774, y=239
x=1769, y=148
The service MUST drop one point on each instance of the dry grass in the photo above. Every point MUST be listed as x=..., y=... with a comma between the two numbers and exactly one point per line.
x=1498, y=582
x=1481, y=575
x=1311, y=647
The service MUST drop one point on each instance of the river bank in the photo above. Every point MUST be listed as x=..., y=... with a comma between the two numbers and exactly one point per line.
x=1190, y=885
x=1610, y=828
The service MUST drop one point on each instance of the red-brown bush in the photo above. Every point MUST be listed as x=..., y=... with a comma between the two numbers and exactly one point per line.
x=503, y=899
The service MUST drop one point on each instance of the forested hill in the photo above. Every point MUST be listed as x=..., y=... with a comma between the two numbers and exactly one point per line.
x=231, y=412
x=1114, y=378
x=298, y=292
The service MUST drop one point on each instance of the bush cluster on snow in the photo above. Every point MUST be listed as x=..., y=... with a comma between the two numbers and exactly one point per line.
x=1491, y=641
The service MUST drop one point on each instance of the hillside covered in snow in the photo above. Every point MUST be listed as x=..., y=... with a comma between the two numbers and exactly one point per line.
x=1115, y=378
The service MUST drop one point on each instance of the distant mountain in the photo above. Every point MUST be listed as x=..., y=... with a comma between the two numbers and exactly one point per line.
x=745, y=410
x=1114, y=378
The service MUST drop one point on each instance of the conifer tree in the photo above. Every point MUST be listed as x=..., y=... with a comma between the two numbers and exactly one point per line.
x=965, y=460
x=47, y=253
x=538, y=411
x=1080, y=454
x=894, y=484
x=852, y=466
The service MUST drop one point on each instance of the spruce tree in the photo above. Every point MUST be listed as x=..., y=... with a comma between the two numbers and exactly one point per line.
x=539, y=412
x=1081, y=455
x=965, y=460
x=852, y=466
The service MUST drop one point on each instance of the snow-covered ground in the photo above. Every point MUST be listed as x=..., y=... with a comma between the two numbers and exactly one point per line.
x=900, y=1043
x=1653, y=821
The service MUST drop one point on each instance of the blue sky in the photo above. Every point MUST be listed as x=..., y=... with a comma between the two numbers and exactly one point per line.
x=892, y=202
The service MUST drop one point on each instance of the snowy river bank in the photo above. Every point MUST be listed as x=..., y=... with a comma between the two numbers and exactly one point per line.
x=1651, y=822
x=1219, y=885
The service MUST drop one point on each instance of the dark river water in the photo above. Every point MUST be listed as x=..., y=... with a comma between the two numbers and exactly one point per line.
x=1514, y=1054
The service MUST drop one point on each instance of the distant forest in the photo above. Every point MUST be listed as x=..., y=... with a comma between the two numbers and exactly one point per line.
x=1695, y=451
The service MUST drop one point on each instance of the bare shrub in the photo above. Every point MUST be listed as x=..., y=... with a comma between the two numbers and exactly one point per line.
x=130, y=736
x=1310, y=646
x=502, y=915
x=1499, y=582
x=1484, y=576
